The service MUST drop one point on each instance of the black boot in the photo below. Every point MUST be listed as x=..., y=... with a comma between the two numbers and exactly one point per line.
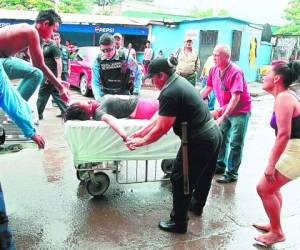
x=220, y=169
x=171, y=226
x=196, y=207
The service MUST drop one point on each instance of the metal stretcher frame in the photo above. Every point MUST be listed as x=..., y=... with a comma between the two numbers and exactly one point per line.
x=94, y=145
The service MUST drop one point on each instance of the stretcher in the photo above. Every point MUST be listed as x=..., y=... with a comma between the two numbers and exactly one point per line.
x=96, y=148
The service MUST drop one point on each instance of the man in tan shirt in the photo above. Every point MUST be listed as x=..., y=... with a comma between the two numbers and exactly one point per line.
x=188, y=61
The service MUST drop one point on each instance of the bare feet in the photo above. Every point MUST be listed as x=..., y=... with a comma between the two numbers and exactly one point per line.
x=270, y=238
x=265, y=227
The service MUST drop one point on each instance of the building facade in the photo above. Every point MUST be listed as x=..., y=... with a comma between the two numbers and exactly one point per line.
x=243, y=37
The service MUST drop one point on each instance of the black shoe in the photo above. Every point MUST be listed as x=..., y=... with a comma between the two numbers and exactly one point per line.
x=41, y=117
x=196, y=207
x=226, y=179
x=219, y=170
x=171, y=226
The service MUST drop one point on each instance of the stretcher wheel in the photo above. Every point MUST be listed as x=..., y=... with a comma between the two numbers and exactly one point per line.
x=98, y=184
x=82, y=174
x=167, y=166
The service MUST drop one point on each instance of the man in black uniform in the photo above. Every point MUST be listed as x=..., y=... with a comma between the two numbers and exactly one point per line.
x=179, y=102
x=65, y=57
x=111, y=70
x=52, y=58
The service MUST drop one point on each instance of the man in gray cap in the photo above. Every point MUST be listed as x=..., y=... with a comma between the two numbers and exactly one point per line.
x=119, y=43
x=188, y=61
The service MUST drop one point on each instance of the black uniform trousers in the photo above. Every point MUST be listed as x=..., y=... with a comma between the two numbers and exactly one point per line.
x=47, y=89
x=203, y=154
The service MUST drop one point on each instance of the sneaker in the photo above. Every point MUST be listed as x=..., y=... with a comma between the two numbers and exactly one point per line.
x=226, y=179
x=219, y=170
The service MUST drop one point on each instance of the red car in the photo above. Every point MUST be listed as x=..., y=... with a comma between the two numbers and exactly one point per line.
x=81, y=72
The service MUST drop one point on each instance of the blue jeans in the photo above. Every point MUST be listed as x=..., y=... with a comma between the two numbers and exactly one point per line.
x=6, y=241
x=234, y=129
x=16, y=68
x=64, y=76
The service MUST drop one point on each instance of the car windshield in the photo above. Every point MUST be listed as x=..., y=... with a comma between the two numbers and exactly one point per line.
x=88, y=53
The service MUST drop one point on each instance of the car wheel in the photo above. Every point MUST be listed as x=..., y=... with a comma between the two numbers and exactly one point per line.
x=84, y=90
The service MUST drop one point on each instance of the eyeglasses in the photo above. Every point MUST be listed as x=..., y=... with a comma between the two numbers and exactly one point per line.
x=107, y=50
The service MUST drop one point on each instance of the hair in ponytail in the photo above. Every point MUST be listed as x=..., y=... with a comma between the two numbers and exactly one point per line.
x=290, y=72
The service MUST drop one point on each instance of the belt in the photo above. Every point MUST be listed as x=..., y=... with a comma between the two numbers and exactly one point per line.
x=113, y=91
x=185, y=75
x=208, y=125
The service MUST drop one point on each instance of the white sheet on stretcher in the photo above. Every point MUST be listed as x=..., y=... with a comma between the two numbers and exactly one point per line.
x=95, y=141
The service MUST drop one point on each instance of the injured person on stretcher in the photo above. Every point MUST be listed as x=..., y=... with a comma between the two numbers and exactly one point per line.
x=111, y=108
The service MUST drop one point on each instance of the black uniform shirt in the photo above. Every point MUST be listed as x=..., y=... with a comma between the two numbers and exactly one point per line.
x=51, y=51
x=180, y=99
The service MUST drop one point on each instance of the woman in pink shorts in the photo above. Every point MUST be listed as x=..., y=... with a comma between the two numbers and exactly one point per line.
x=284, y=160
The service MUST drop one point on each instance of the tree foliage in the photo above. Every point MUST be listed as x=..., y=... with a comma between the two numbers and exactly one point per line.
x=292, y=14
x=207, y=13
x=75, y=6
x=66, y=6
x=107, y=2
x=26, y=4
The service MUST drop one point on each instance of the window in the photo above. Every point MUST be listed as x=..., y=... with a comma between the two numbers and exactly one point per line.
x=208, y=37
x=138, y=42
x=208, y=40
x=236, y=45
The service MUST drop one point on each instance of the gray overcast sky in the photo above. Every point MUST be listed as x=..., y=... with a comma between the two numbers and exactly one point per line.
x=257, y=11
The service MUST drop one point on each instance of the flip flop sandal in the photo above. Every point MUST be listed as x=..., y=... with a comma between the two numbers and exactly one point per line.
x=14, y=148
x=257, y=242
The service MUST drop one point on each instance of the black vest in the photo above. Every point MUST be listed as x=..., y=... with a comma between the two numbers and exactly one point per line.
x=114, y=74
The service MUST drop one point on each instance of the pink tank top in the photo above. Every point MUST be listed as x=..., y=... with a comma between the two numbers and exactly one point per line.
x=146, y=108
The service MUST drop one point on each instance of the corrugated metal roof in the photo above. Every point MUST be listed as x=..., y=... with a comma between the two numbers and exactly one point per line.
x=76, y=18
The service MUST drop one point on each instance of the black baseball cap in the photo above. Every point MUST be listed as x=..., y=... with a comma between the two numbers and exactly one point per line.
x=156, y=66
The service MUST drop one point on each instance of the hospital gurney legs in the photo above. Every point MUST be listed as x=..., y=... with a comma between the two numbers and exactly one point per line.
x=138, y=171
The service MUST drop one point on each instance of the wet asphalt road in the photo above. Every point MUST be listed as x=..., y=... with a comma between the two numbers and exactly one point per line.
x=49, y=208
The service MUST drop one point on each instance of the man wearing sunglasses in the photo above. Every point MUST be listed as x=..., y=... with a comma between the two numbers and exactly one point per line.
x=228, y=82
x=111, y=70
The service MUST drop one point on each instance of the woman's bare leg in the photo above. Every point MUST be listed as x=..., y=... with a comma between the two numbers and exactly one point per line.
x=272, y=202
x=266, y=227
